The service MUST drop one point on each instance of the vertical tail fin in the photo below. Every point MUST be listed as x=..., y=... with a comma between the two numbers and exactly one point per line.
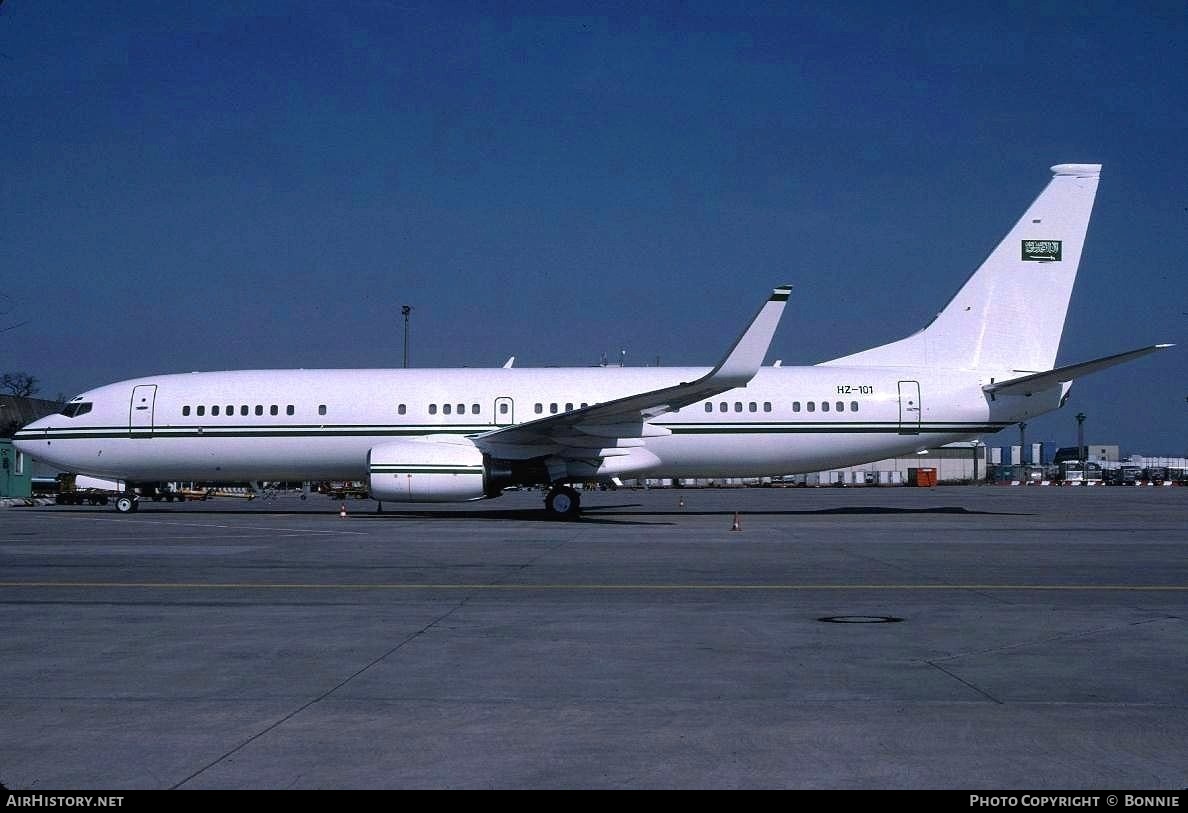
x=1009, y=315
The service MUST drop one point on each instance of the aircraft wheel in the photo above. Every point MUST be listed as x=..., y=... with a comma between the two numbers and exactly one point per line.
x=563, y=503
x=125, y=503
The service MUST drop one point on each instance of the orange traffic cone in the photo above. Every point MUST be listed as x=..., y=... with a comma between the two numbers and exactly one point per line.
x=342, y=511
x=737, y=526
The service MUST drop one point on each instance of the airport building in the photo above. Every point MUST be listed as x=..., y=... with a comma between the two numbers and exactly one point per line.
x=955, y=463
x=964, y=463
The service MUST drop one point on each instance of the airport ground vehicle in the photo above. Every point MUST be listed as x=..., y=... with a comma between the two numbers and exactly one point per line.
x=1078, y=473
x=342, y=489
x=1156, y=475
x=1123, y=475
x=73, y=489
x=80, y=489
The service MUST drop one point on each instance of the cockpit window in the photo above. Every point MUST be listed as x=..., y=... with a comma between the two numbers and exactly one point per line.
x=76, y=409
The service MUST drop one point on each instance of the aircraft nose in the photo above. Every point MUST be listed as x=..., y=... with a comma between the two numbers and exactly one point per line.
x=23, y=439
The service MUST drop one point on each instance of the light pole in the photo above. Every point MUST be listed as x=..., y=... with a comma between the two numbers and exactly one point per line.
x=1023, y=443
x=1081, y=451
x=405, y=310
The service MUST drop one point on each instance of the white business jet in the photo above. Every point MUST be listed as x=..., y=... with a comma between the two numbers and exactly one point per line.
x=985, y=362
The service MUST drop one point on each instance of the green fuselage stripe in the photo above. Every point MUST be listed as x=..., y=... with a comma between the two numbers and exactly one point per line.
x=311, y=431
x=414, y=469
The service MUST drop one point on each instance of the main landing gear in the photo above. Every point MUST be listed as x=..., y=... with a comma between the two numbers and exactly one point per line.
x=127, y=503
x=563, y=502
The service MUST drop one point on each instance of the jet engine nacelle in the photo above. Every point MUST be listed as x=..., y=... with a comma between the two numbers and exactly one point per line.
x=431, y=469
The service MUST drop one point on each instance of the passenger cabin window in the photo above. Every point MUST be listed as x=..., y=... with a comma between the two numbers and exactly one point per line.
x=853, y=406
x=474, y=409
x=723, y=407
x=289, y=409
x=503, y=409
x=841, y=406
x=433, y=409
x=186, y=410
x=321, y=409
x=811, y=406
x=795, y=406
x=201, y=411
x=259, y=409
x=243, y=410
x=824, y=406
x=738, y=406
x=446, y=409
x=552, y=409
x=538, y=409
x=400, y=410
x=273, y=410
x=709, y=407
x=461, y=409
x=214, y=410
x=569, y=407
x=230, y=410
x=752, y=407
x=767, y=406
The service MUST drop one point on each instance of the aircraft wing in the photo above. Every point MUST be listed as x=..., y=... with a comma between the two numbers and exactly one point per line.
x=1028, y=384
x=601, y=425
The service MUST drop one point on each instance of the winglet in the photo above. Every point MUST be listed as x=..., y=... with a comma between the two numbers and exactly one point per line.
x=745, y=356
x=625, y=417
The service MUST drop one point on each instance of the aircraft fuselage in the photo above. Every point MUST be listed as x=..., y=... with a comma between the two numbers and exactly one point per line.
x=787, y=420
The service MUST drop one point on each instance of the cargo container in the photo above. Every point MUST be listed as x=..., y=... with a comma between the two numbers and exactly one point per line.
x=922, y=478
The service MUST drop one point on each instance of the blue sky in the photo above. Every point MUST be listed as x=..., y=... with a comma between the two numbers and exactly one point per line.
x=206, y=185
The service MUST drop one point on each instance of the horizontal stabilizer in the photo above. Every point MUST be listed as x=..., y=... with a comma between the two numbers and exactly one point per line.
x=1037, y=382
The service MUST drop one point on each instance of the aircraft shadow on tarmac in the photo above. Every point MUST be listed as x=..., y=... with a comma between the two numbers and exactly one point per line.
x=855, y=510
x=623, y=514
x=634, y=513
x=512, y=514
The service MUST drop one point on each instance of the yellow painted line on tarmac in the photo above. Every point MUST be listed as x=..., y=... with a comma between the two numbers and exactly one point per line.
x=1135, y=588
